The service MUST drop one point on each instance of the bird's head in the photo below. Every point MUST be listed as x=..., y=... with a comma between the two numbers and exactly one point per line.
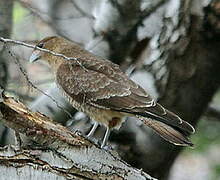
x=60, y=46
x=54, y=44
x=48, y=43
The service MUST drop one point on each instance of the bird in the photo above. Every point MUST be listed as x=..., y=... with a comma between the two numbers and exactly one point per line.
x=100, y=89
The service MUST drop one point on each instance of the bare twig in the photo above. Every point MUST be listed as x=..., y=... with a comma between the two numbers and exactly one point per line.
x=39, y=13
x=120, y=8
x=44, y=17
x=153, y=6
x=35, y=47
x=41, y=49
x=80, y=10
x=149, y=10
x=24, y=72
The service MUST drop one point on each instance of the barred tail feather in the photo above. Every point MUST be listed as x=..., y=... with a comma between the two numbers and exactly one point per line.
x=169, y=133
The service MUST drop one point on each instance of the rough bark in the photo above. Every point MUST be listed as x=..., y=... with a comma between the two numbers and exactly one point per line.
x=115, y=25
x=187, y=84
x=6, y=7
x=185, y=71
x=65, y=154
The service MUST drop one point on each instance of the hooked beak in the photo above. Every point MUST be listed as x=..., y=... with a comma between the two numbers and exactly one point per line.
x=34, y=56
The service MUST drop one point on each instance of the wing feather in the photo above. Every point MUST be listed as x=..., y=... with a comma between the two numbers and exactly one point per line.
x=104, y=85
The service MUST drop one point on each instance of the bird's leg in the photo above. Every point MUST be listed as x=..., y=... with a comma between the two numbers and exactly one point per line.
x=93, y=129
x=107, y=133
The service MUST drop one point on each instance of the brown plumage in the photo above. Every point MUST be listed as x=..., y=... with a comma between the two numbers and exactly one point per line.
x=99, y=88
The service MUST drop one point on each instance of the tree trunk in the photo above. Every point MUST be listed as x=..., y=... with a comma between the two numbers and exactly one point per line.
x=190, y=77
x=183, y=66
x=6, y=8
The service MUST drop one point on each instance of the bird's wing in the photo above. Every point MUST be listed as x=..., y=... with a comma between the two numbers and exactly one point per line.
x=103, y=85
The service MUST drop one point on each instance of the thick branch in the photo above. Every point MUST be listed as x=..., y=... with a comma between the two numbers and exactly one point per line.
x=115, y=19
x=72, y=150
x=185, y=62
x=80, y=10
x=150, y=9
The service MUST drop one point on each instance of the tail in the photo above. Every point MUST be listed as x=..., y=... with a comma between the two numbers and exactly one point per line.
x=170, y=133
x=167, y=124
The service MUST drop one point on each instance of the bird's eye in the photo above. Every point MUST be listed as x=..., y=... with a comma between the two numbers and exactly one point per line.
x=40, y=45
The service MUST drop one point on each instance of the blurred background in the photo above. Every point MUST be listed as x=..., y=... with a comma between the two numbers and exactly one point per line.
x=171, y=48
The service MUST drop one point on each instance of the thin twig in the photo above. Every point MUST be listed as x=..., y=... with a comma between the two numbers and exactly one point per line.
x=41, y=14
x=116, y=4
x=5, y=40
x=80, y=10
x=26, y=76
x=35, y=47
x=151, y=8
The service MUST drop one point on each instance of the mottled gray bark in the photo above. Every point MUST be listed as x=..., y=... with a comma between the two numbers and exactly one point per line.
x=64, y=155
x=6, y=8
x=186, y=71
x=184, y=67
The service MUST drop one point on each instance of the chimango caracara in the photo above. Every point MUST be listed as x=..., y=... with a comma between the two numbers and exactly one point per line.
x=100, y=89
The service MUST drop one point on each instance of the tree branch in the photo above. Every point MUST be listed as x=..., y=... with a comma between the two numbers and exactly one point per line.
x=80, y=10
x=4, y=40
x=114, y=21
x=151, y=8
x=74, y=155
x=16, y=59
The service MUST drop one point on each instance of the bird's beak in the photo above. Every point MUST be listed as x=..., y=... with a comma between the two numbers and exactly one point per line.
x=35, y=56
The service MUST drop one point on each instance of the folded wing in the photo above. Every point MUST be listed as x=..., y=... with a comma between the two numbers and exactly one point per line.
x=102, y=84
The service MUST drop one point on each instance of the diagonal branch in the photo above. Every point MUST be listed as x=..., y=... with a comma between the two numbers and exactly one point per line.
x=25, y=74
x=80, y=10
x=4, y=40
x=151, y=8
x=73, y=153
